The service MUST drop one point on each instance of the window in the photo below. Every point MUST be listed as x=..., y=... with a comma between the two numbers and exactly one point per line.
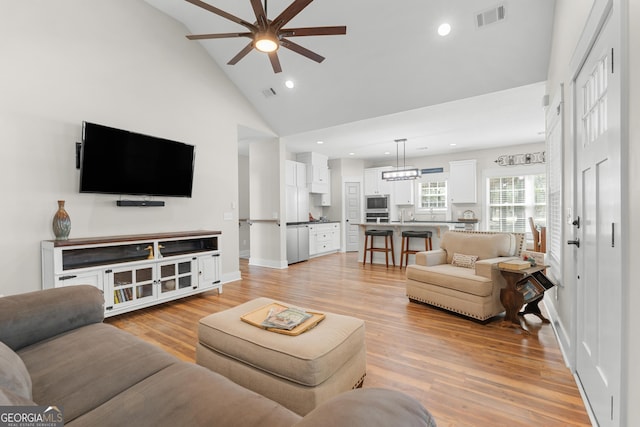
x=513, y=199
x=432, y=195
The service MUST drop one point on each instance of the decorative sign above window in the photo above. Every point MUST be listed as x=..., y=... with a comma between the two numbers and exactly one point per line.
x=521, y=159
x=432, y=170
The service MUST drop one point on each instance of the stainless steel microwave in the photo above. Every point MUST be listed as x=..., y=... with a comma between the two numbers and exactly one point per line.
x=377, y=203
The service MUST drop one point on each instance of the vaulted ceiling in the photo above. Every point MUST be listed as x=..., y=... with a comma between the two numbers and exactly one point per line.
x=392, y=76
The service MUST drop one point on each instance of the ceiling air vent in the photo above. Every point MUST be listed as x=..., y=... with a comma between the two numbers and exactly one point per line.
x=490, y=16
x=269, y=93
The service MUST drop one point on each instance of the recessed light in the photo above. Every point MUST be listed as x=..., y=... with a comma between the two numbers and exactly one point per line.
x=352, y=154
x=319, y=142
x=444, y=29
x=290, y=84
x=453, y=144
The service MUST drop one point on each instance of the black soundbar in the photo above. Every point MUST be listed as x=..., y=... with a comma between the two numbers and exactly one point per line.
x=146, y=203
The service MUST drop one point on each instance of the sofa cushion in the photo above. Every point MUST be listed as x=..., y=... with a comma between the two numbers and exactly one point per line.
x=185, y=394
x=377, y=406
x=82, y=369
x=13, y=373
x=484, y=245
x=462, y=260
x=452, y=277
x=9, y=398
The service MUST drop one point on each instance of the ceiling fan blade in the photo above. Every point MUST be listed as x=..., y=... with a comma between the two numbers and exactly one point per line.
x=289, y=13
x=248, y=48
x=261, y=15
x=224, y=14
x=218, y=36
x=275, y=62
x=301, y=50
x=313, y=31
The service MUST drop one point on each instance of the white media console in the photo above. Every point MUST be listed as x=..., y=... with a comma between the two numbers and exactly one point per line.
x=135, y=271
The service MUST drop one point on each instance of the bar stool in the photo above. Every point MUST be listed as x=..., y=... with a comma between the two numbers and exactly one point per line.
x=406, y=236
x=388, y=237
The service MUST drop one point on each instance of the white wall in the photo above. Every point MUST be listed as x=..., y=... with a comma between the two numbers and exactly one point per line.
x=267, y=205
x=124, y=64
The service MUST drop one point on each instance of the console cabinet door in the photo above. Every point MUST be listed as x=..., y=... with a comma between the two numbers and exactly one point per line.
x=209, y=271
x=177, y=276
x=127, y=286
x=93, y=278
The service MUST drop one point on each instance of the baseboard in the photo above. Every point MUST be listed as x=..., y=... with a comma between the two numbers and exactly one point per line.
x=562, y=335
x=269, y=263
x=231, y=277
x=246, y=254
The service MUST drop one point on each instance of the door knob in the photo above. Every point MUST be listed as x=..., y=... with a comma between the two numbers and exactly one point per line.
x=574, y=242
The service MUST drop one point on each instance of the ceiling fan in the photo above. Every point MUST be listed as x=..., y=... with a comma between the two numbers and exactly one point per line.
x=268, y=35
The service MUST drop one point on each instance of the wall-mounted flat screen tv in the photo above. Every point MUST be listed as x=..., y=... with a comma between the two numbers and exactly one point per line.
x=116, y=161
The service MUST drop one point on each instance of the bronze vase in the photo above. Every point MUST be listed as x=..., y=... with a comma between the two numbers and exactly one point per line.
x=61, y=222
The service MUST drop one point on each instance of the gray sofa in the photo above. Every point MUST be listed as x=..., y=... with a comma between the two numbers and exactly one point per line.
x=55, y=351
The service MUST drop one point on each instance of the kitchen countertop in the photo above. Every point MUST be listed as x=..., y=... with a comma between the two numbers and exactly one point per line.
x=412, y=223
x=427, y=222
x=311, y=222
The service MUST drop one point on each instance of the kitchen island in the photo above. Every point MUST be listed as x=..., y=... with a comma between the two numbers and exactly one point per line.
x=436, y=227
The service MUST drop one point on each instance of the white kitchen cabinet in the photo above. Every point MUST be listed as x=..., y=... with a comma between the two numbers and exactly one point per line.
x=374, y=185
x=462, y=181
x=296, y=173
x=317, y=179
x=296, y=192
x=135, y=271
x=315, y=159
x=324, y=199
x=297, y=204
x=324, y=238
x=403, y=192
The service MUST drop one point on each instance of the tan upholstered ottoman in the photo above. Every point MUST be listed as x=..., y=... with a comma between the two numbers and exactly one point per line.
x=299, y=372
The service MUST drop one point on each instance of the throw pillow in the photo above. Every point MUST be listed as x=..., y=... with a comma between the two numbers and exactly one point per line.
x=462, y=260
x=13, y=373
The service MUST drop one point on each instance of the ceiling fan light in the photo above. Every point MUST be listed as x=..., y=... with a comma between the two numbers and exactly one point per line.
x=266, y=42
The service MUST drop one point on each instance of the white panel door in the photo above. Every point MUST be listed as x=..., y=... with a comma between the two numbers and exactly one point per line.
x=599, y=281
x=352, y=212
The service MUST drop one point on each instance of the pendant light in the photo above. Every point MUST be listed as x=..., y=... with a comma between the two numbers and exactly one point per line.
x=404, y=173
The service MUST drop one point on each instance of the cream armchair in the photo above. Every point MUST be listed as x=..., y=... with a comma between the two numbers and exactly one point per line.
x=463, y=276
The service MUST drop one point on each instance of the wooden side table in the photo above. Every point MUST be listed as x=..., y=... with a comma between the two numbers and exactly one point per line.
x=512, y=299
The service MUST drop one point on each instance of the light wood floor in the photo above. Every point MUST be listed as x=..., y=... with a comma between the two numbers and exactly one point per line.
x=466, y=373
